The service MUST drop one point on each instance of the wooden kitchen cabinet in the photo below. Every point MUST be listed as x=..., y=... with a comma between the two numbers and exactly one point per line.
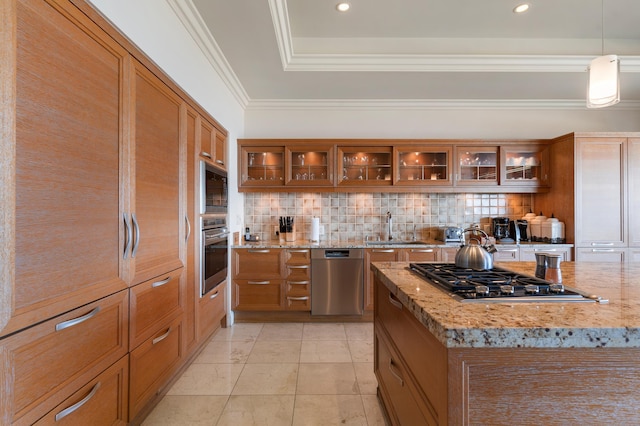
x=261, y=166
x=310, y=165
x=50, y=361
x=476, y=166
x=213, y=143
x=376, y=255
x=524, y=165
x=256, y=278
x=297, y=291
x=633, y=191
x=365, y=166
x=423, y=165
x=420, y=254
x=211, y=311
x=448, y=254
x=190, y=120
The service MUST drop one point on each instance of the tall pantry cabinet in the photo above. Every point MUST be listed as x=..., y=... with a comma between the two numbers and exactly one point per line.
x=98, y=255
x=599, y=172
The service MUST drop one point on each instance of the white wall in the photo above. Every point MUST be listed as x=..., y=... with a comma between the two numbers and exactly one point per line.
x=432, y=123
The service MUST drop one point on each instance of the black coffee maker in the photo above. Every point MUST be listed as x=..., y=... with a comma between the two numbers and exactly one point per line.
x=501, y=228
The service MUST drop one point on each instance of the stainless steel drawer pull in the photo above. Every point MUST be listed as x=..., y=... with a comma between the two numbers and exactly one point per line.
x=395, y=302
x=300, y=282
x=220, y=162
x=421, y=250
x=394, y=374
x=160, y=283
x=258, y=282
x=128, y=236
x=205, y=154
x=298, y=266
x=161, y=338
x=545, y=250
x=602, y=250
x=64, y=413
x=298, y=298
x=76, y=321
x=384, y=251
x=508, y=251
x=186, y=238
x=137, y=236
x=258, y=251
x=601, y=244
x=214, y=295
x=298, y=251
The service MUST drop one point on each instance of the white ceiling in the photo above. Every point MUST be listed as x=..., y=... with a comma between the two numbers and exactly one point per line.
x=431, y=53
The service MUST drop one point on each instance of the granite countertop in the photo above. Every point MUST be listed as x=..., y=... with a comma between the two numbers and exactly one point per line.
x=544, y=325
x=300, y=243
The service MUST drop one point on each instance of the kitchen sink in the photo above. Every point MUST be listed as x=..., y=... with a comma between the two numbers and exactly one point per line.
x=395, y=243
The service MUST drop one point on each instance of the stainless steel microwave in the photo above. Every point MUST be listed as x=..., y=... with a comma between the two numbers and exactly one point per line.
x=214, y=189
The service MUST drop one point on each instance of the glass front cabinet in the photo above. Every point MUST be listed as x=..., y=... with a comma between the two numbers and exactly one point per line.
x=365, y=166
x=262, y=166
x=476, y=165
x=423, y=166
x=309, y=166
x=525, y=165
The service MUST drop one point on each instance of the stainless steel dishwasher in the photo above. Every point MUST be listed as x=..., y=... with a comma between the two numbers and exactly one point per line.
x=337, y=281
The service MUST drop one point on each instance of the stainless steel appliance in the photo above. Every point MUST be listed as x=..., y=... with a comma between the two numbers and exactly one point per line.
x=500, y=228
x=337, y=281
x=215, y=251
x=451, y=234
x=496, y=285
x=214, y=189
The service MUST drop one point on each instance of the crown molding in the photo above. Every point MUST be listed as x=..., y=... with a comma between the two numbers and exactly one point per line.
x=419, y=104
x=187, y=13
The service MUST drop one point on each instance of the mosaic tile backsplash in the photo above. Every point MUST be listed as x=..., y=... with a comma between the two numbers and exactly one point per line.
x=352, y=216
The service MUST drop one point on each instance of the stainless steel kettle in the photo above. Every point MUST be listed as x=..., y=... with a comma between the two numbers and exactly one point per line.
x=476, y=256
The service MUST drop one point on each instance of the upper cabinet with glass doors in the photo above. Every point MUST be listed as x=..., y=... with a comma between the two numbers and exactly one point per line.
x=309, y=165
x=423, y=165
x=476, y=165
x=525, y=165
x=365, y=166
x=262, y=166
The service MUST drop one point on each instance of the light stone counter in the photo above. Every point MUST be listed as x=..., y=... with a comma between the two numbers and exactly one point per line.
x=542, y=325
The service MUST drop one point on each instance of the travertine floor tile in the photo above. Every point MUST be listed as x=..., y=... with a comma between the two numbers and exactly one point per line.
x=186, y=410
x=359, y=331
x=325, y=351
x=207, y=379
x=258, y=410
x=225, y=352
x=267, y=379
x=242, y=331
x=361, y=351
x=373, y=411
x=327, y=379
x=323, y=410
x=330, y=331
x=272, y=351
x=281, y=331
x=367, y=381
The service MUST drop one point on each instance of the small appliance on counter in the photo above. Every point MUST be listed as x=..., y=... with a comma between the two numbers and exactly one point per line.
x=501, y=229
x=451, y=234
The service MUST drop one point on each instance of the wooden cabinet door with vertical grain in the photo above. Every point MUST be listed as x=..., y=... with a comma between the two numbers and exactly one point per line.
x=156, y=187
x=633, y=188
x=68, y=223
x=376, y=255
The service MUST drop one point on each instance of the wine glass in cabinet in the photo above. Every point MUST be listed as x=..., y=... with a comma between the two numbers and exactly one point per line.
x=262, y=166
x=310, y=166
x=477, y=165
x=365, y=166
x=423, y=165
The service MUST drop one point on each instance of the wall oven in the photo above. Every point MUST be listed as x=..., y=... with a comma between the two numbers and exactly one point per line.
x=214, y=189
x=215, y=250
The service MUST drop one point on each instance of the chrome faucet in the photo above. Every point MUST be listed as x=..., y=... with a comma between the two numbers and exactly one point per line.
x=389, y=227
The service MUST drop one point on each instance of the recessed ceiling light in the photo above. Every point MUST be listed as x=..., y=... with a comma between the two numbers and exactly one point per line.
x=521, y=8
x=343, y=7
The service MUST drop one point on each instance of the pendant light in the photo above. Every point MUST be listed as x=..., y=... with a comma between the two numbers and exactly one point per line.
x=603, y=87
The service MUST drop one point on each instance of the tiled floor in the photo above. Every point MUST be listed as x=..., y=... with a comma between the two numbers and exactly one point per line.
x=278, y=374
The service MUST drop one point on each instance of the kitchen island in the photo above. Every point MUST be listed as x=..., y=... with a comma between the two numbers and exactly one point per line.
x=440, y=361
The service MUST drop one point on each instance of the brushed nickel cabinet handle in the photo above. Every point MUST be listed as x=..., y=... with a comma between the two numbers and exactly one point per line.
x=601, y=244
x=258, y=251
x=161, y=338
x=383, y=251
x=128, y=235
x=186, y=219
x=206, y=154
x=64, y=413
x=421, y=250
x=258, y=282
x=160, y=283
x=76, y=321
x=298, y=298
x=214, y=295
x=300, y=282
x=394, y=373
x=595, y=250
x=137, y=239
x=298, y=266
x=298, y=251
x=395, y=302
x=220, y=162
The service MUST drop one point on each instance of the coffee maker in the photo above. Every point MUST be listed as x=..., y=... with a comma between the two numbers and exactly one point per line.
x=501, y=228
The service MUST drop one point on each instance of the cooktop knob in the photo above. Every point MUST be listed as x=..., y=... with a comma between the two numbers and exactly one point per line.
x=482, y=290
x=556, y=288
x=531, y=289
x=506, y=289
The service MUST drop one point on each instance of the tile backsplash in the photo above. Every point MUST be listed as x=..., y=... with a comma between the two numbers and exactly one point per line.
x=352, y=216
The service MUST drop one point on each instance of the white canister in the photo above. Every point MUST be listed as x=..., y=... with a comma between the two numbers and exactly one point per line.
x=553, y=230
x=536, y=227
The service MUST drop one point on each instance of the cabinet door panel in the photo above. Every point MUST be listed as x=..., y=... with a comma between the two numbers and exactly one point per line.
x=260, y=264
x=257, y=295
x=211, y=311
x=67, y=173
x=376, y=255
x=633, y=164
x=421, y=254
x=600, y=192
x=157, y=177
x=584, y=254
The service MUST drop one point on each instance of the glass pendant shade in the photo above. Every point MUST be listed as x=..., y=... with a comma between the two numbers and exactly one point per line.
x=604, y=82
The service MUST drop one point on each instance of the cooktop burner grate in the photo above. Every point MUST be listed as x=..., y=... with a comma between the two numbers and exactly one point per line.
x=497, y=284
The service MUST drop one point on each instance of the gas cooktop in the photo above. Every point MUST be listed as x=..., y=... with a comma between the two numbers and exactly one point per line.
x=496, y=285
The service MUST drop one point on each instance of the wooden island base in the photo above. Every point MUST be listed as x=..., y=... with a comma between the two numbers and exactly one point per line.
x=423, y=382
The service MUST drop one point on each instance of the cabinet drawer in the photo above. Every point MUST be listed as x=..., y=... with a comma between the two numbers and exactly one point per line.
x=298, y=257
x=52, y=360
x=211, y=310
x=153, y=363
x=584, y=254
x=415, y=344
x=298, y=288
x=402, y=407
x=154, y=302
x=102, y=401
x=529, y=254
x=507, y=254
x=421, y=254
x=298, y=272
x=298, y=302
x=257, y=295
x=260, y=264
